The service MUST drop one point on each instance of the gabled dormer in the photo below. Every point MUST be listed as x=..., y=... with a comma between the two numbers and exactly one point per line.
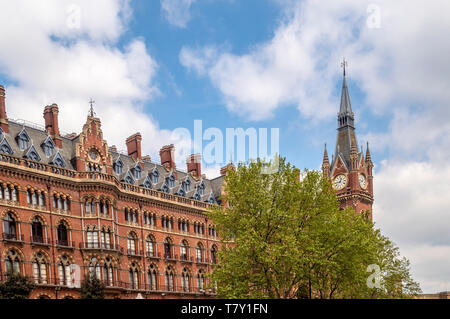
x=165, y=188
x=23, y=140
x=118, y=166
x=201, y=188
x=32, y=154
x=137, y=171
x=5, y=148
x=48, y=146
x=128, y=178
x=58, y=160
x=155, y=176
x=147, y=183
x=181, y=191
x=171, y=180
x=212, y=199
x=186, y=184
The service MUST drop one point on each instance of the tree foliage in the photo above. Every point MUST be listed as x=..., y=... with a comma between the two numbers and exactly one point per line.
x=92, y=288
x=286, y=238
x=16, y=286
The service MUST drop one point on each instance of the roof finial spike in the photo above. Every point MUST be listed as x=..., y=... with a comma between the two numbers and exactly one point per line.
x=91, y=110
x=344, y=64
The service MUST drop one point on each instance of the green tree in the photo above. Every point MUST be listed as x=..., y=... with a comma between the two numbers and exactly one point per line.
x=92, y=288
x=286, y=238
x=16, y=286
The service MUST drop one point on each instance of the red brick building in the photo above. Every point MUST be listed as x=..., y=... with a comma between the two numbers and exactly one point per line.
x=349, y=171
x=71, y=205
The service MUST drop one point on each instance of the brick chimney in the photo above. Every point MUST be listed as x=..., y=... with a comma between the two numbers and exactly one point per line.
x=51, y=123
x=3, y=117
x=167, y=156
x=223, y=170
x=194, y=164
x=113, y=148
x=134, y=146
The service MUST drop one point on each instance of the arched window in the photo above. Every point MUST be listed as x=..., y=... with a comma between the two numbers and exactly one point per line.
x=187, y=185
x=40, y=269
x=152, y=278
x=12, y=263
x=199, y=252
x=10, y=227
x=214, y=254
x=170, y=278
x=134, y=276
x=185, y=280
x=132, y=241
x=62, y=235
x=201, y=188
x=184, y=250
x=49, y=147
x=37, y=230
x=92, y=237
x=94, y=268
x=90, y=206
x=200, y=280
x=171, y=181
x=105, y=238
x=167, y=248
x=64, y=272
x=108, y=272
x=151, y=249
x=147, y=183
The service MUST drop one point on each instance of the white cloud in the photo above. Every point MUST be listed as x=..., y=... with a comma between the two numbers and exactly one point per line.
x=65, y=52
x=177, y=12
x=401, y=67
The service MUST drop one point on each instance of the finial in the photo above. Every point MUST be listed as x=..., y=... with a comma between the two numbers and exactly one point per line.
x=344, y=64
x=91, y=110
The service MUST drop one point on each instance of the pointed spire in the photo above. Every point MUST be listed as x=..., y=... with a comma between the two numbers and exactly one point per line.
x=325, y=156
x=368, y=157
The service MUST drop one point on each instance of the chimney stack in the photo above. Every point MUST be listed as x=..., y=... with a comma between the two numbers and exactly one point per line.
x=51, y=123
x=194, y=164
x=113, y=148
x=167, y=156
x=134, y=146
x=3, y=117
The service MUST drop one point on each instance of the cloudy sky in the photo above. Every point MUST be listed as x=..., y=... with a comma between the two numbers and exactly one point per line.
x=155, y=66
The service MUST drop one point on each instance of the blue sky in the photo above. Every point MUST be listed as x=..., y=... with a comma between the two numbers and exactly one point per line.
x=154, y=66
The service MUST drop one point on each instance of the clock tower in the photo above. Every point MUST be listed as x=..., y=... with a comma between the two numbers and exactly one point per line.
x=350, y=172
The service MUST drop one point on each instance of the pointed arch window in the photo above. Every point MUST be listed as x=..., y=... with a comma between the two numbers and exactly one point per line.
x=200, y=280
x=92, y=237
x=37, y=231
x=40, y=269
x=185, y=280
x=138, y=172
x=5, y=148
x=64, y=271
x=94, y=268
x=152, y=277
x=167, y=248
x=184, y=248
x=171, y=181
x=62, y=235
x=12, y=263
x=147, y=183
x=108, y=272
x=170, y=278
x=199, y=253
x=10, y=226
x=132, y=243
x=134, y=276
x=151, y=246
x=214, y=254
x=105, y=238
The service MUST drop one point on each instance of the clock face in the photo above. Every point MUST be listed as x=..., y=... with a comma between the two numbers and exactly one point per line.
x=362, y=181
x=93, y=155
x=339, y=182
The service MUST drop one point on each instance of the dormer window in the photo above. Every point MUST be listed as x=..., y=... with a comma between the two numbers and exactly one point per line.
x=201, y=188
x=155, y=176
x=23, y=140
x=187, y=185
x=4, y=147
x=33, y=155
x=147, y=183
x=211, y=199
x=48, y=147
x=129, y=179
x=118, y=166
x=165, y=188
x=58, y=161
x=138, y=172
x=171, y=181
